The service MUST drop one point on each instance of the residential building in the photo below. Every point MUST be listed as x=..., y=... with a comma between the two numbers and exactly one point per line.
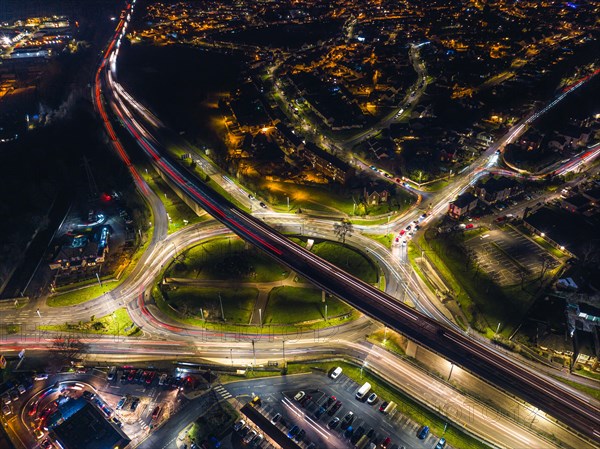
x=326, y=163
x=462, y=205
x=497, y=189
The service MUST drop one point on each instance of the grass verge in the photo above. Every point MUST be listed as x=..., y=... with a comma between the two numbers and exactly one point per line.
x=348, y=259
x=117, y=323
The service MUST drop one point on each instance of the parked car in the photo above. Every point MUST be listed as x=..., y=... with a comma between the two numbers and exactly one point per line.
x=6, y=410
x=162, y=379
x=383, y=405
x=293, y=432
x=347, y=420
x=121, y=402
x=336, y=373
x=6, y=399
x=300, y=436
x=299, y=395
x=156, y=412
x=372, y=398
x=256, y=442
x=21, y=389
x=134, y=404
x=330, y=400
x=385, y=443
x=320, y=412
x=305, y=400
x=335, y=408
x=276, y=418
x=239, y=425
x=441, y=444
x=250, y=436
x=423, y=432
x=333, y=423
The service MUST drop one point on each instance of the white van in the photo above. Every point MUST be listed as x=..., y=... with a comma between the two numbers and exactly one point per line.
x=336, y=373
x=362, y=391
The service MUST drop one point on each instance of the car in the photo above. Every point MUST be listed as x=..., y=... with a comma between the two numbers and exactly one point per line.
x=347, y=420
x=6, y=410
x=41, y=376
x=134, y=404
x=263, y=205
x=359, y=432
x=293, y=432
x=330, y=400
x=333, y=423
x=244, y=431
x=300, y=435
x=299, y=396
x=162, y=379
x=156, y=412
x=370, y=433
x=256, y=442
x=372, y=167
x=469, y=226
x=150, y=377
x=320, y=412
x=39, y=434
x=124, y=376
x=423, y=432
x=336, y=373
x=335, y=408
x=402, y=232
x=276, y=418
x=34, y=408
x=383, y=405
x=121, y=402
x=250, y=196
x=409, y=227
x=133, y=375
x=111, y=373
x=21, y=389
x=239, y=425
x=250, y=436
x=88, y=395
x=116, y=421
x=372, y=398
x=6, y=399
x=348, y=432
x=385, y=443
x=305, y=401
x=441, y=444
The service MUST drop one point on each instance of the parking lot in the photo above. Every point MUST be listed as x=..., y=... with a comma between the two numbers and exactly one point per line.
x=503, y=254
x=277, y=396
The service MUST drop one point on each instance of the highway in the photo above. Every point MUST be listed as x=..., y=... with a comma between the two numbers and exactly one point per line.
x=452, y=344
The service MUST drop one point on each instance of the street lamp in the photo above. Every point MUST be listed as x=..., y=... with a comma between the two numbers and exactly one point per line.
x=361, y=369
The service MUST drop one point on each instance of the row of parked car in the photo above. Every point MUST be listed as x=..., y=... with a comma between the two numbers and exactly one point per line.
x=12, y=394
x=250, y=437
x=147, y=377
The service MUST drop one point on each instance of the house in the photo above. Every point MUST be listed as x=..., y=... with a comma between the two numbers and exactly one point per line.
x=375, y=198
x=575, y=203
x=326, y=163
x=462, y=205
x=497, y=189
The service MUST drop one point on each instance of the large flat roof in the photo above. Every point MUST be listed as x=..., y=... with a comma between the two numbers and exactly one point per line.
x=90, y=430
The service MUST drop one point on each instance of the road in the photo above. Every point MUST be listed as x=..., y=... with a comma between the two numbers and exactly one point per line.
x=452, y=344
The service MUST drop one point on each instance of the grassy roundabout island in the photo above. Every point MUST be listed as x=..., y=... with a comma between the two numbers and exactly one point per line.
x=225, y=281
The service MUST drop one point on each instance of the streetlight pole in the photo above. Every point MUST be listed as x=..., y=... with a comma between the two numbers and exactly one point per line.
x=259, y=320
x=283, y=350
x=325, y=312
x=221, y=303
x=231, y=355
x=451, y=368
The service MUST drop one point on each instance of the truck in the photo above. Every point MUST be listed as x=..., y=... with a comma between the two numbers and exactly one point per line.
x=362, y=442
x=362, y=391
x=390, y=408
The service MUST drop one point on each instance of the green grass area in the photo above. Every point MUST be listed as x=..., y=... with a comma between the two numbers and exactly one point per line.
x=80, y=284
x=482, y=301
x=586, y=373
x=407, y=406
x=288, y=305
x=176, y=209
x=117, y=323
x=195, y=320
x=226, y=258
x=80, y=295
x=388, y=339
x=590, y=391
x=385, y=239
x=348, y=259
x=238, y=302
x=215, y=421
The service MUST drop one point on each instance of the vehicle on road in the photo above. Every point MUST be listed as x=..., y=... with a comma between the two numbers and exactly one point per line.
x=372, y=398
x=263, y=205
x=156, y=412
x=363, y=390
x=299, y=395
x=423, y=432
x=336, y=373
x=41, y=376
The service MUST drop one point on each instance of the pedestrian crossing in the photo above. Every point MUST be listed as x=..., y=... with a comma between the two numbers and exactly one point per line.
x=222, y=392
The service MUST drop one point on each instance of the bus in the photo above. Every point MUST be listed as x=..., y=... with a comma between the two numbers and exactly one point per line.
x=362, y=391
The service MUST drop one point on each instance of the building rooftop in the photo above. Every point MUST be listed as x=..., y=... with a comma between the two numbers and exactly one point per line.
x=464, y=200
x=88, y=429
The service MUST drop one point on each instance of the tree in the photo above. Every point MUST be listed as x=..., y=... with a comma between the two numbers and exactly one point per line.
x=68, y=349
x=343, y=229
